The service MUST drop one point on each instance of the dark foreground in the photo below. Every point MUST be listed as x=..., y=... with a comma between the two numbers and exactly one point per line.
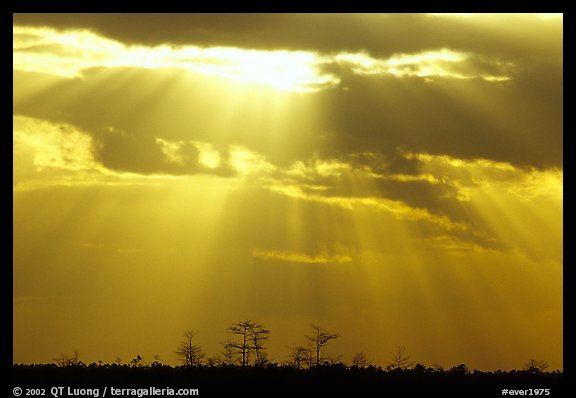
x=267, y=381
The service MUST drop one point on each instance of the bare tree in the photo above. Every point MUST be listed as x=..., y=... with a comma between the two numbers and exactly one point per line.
x=253, y=336
x=400, y=360
x=241, y=328
x=360, y=360
x=534, y=366
x=331, y=359
x=319, y=339
x=258, y=337
x=68, y=360
x=229, y=352
x=157, y=360
x=301, y=357
x=189, y=353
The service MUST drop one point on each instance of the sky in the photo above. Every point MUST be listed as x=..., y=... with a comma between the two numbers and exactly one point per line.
x=394, y=178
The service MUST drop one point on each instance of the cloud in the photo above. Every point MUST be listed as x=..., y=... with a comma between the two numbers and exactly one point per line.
x=464, y=118
x=386, y=138
x=454, y=245
x=339, y=193
x=381, y=35
x=441, y=195
x=54, y=146
x=155, y=155
x=69, y=53
x=48, y=153
x=203, y=157
x=60, y=154
x=446, y=98
x=444, y=63
x=295, y=257
x=482, y=174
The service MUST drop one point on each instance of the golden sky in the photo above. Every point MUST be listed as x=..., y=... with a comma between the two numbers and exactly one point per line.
x=396, y=179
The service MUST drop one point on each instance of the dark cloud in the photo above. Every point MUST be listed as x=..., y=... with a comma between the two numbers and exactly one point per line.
x=143, y=155
x=519, y=122
x=149, y=104
x=468, y=119
x=393, y=162
x=379, y=34
x=440, y=199
x=366, y=119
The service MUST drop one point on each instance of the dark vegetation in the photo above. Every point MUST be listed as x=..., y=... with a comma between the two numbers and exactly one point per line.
x=244, y=362
x=273, y=375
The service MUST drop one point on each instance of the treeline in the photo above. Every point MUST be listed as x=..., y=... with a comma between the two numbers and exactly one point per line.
x=271, y=375
x=244, y=361
x=246, y=346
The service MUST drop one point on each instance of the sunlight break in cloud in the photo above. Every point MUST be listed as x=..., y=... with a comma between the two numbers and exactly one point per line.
x=60, y=154
x=397, y=208
x=56, y=146
x=69, y=53
x=179, y=152
x=49, y=153
x=484, y=174
x=440, y=63
x=237, y=158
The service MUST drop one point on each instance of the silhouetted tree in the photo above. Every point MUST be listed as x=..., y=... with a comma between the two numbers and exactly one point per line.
x=253, y=336
x=157, y=360
x=65, y=360
x=534, y=366
x=136, y=361
x=300, y=357
x=460, y=369
x=229, y=352
x=437, y=367
x=319, y=339
x=258, y=337
x=190, y=354
x=360, y=360
x=331, y=360
x=242, y=329
x=400, y=360
x=419, y=368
